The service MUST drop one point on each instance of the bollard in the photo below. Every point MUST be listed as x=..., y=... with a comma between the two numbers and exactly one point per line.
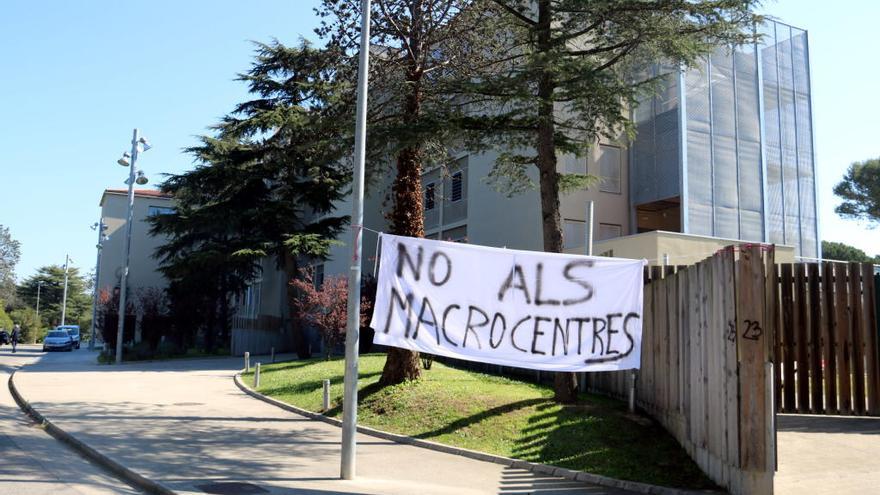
x=247, y=362
x=273, y=354
x=632, y=392
x=257, y=376
x=326, y=395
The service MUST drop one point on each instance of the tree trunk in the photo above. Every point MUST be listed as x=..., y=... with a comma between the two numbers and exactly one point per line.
x=407, y=220
x=564, y=384
x=300, y=345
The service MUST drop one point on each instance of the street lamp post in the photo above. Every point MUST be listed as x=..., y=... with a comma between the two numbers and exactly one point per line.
x=67, y=261
x=352, y=333
x=39, y=286
x=134, y=175
x=100, y=227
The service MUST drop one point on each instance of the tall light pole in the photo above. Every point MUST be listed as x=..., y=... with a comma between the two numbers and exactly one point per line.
x=67, y=261
x=39, y=286
x=134, y=175
x=349, y=403
x=100, y=227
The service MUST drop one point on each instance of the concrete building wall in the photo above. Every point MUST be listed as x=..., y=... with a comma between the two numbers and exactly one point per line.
x=143, y=267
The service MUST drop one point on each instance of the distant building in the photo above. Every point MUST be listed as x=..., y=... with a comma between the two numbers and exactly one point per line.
x=143, y=268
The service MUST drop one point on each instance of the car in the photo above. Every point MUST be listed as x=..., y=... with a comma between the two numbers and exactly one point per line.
x=73, y=331
x=58, y=340
x=4, y=337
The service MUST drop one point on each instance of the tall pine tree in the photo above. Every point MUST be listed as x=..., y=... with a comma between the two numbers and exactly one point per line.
x=567, y=80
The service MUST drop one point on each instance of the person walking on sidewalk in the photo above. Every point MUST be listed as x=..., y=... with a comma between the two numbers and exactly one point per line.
x=16, y=331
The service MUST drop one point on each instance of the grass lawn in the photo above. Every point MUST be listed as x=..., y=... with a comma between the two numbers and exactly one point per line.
x=496, y=415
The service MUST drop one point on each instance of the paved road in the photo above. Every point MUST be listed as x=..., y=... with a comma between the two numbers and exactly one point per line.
x=828, y=455
x=186, y=425
x=31, y=461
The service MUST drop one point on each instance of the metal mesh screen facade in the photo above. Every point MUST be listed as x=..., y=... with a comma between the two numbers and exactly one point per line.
x=745, y=132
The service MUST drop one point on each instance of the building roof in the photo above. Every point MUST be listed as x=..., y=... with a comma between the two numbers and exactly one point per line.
x=138, y=193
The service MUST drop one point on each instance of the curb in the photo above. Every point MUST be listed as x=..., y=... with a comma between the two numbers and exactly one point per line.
x=547, y=469
x=126, y=474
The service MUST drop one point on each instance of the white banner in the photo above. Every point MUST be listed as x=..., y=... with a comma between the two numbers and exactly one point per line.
x=546, y=311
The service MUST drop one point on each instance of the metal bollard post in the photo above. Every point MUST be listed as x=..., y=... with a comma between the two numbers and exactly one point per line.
x=632, y=391
x=247, y=362
x=257, y=376
x=273, y=354
x=326, y=395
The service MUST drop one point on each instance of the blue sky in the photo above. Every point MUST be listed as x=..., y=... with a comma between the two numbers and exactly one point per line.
x=77, y=77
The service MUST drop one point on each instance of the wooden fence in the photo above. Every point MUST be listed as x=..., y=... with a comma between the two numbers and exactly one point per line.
x=827, y=343
x=706, y=373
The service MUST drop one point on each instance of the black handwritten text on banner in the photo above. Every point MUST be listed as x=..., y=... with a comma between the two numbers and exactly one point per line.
x=546, y=311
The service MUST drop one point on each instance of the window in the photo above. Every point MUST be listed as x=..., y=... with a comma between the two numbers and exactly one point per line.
x=575, y=165
x=318, y=275
x=430, y=191
x=573, y=234
x=160, y=210
x=457, y=234
x=609, y=169
x=608, y=231
x=457, y=179
x=252, y=298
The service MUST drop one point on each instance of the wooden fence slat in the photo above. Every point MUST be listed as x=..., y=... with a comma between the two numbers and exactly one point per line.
x=813, y=340
x=685, y=348
x=843, y=341
x=674, y=351
x=752, y=349
x=858, y=337
x=788, y=325
x=829, y=338
x=777, y=341
x=660, y=337
x=801, y=324
x=647, y=331
x=731, y=373
x=872, y=370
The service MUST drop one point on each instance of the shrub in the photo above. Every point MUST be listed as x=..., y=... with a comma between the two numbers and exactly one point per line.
x=27, y=319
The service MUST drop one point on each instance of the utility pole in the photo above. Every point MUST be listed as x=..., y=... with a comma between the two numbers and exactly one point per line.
x=64, y=297
x=126, y=249
x=352, y=333
x=100, y=227
x=39, y=286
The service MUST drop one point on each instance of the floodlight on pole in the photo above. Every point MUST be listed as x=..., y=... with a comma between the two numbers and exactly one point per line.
x=352, y=332
x=134, y=176
x=67, y=261
x=101, y=227
x=125, y=161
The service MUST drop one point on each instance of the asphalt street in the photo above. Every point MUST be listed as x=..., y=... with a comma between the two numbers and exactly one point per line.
x=31, y=461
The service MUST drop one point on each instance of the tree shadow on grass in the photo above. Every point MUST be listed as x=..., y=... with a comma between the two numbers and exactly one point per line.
x=309, y=386
x=476, y=418
x=601, y=439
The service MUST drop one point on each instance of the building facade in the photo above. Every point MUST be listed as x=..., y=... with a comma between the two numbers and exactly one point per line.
x=726, y=150
x=143, y=267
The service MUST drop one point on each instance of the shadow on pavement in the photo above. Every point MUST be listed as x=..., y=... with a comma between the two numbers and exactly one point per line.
x=803, y=423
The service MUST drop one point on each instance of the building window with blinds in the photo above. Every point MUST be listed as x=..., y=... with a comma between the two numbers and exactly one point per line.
x=430, y=192
x=455, y=194
x=573, y=234
x=609, y=231
x=609, y=169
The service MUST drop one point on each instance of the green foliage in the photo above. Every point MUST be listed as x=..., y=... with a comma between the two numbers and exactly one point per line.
x=860, y=192
x=27, y=318
x=560, y=77
x=79, y=301
x=498, y=415
x=5, y=321
x=265, y=185
x=844, y=252
x=10, y=253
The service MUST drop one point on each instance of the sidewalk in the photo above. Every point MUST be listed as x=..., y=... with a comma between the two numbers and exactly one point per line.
x=186, y=425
